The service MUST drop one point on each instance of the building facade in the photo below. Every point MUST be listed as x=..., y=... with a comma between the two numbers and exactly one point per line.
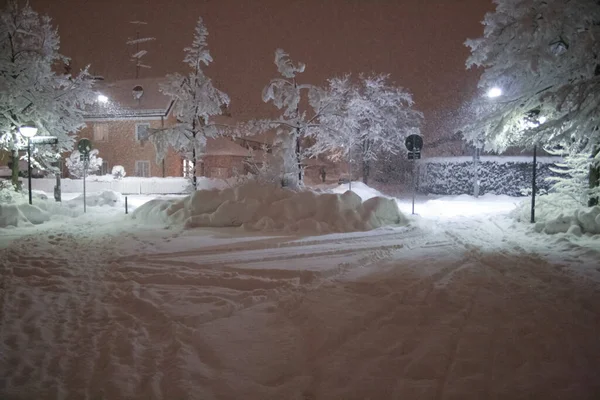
x=119, y=123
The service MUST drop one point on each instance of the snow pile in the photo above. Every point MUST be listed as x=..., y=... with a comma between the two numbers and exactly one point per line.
x=585, y=220
x=13, y=214
x=260, y=207
x=365, y=192
x=15, y=209
x=559, y=213
x=106, y=197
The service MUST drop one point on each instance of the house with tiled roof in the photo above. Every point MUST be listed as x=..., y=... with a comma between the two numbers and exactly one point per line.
x=119, y=123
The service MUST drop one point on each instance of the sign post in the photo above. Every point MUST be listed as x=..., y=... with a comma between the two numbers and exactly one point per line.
x=84, y=146
x=414, y=144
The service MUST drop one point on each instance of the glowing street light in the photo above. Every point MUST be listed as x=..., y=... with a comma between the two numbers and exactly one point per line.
x=28, y=130
x=102, y=98
x=494, y=92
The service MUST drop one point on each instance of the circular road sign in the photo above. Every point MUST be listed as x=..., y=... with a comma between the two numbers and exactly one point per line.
x=414, y=142
x=84, y=146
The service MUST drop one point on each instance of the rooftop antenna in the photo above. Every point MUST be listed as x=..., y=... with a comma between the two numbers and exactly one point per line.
x=137, y=56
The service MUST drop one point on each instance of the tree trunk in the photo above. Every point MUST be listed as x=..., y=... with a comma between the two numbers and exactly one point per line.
x=298, y=160
x=366, y=169
x=366, y=163
x=15, y=163
x=194, y=180
x=594, y=179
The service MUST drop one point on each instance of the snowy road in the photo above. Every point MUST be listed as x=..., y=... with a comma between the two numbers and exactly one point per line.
x=461, y=309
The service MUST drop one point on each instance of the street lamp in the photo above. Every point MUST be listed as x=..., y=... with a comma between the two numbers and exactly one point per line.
x=494, y=92
x=28, y=130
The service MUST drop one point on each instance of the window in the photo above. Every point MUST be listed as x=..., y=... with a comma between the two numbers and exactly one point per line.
x=104, y=168
x=100, y=132
x=187, y=168
x=219, y=172
x=141, y=132
x=142, y=168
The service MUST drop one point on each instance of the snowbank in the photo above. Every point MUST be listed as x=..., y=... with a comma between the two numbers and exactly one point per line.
x=365, y=192
x=585, y=220
x=15, y=209
x=560, y=213
x=107, y=197
x=260, y=207
x=13, y=214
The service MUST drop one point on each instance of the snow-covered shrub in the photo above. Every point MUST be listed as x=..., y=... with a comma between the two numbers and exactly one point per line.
x=7, y=192
x=118, y=172
x=559, y=213
x=497, y=175
x=263, y=167
x=75, y=165
x=572, y=178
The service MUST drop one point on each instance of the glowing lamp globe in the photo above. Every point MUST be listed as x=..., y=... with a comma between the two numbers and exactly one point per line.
x=29, y=130
x=494, y=92
x=102, y=98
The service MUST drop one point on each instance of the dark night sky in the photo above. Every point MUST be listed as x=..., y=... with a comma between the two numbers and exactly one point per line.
x=419, y=42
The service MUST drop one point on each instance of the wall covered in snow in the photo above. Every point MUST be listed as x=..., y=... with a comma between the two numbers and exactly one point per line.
x=497, y=175
x=128, y=185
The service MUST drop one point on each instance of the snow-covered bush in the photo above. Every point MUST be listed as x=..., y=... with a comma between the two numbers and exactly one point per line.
x=118, y=172
x=509, y=176
x=75, y=165
x=7, y=192
x=558, y=213
x=263, y=167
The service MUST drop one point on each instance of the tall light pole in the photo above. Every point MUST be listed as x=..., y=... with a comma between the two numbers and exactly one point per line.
x=538, y=121
x=28, y=130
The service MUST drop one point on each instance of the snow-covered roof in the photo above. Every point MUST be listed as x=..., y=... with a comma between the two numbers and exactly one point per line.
x=222, y=146
x=124, y=102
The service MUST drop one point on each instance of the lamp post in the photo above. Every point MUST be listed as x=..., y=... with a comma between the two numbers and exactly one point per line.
x=28, y=130
x=538, y=122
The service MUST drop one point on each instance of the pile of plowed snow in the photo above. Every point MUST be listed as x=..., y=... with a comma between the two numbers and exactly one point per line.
x=581, y=221
x=16, y=211
x=259, y=207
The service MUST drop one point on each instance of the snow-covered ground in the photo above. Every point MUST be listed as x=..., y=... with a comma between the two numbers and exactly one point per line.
x=463, y=303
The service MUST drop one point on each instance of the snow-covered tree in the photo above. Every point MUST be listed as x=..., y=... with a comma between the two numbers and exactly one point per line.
x=295, y=124
x=572, y=179
x=30, y=89
x=544, y=56
x=196, y=102
x=76, y=166
x=364, y=120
